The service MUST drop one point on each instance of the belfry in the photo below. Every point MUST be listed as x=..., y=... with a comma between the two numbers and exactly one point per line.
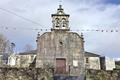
x=60, y=20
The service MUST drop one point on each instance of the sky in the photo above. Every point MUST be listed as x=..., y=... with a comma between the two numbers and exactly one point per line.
x=25, y=15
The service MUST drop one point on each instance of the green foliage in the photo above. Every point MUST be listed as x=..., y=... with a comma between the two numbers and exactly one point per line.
x=117, y=63
x=101, y=75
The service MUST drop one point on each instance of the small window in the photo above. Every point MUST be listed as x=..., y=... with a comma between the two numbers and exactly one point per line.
x=87, y=60
x=61, y=43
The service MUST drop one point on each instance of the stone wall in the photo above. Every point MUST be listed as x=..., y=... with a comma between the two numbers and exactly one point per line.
x=25, y=74
x=47, y=74
x=102, y=75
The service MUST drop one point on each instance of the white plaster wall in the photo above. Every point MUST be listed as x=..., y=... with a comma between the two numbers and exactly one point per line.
x=12, y=60
x=110, y=63
x=94, y=63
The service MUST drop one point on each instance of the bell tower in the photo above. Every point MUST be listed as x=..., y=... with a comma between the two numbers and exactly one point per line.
x=60, y=20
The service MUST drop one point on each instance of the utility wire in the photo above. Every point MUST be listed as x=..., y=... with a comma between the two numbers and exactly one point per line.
x=26, y=19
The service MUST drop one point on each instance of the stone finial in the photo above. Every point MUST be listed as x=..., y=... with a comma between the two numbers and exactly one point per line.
x=81, y=34
x=38, y=34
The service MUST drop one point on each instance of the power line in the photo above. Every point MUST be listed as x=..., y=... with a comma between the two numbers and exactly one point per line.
x=26, y=19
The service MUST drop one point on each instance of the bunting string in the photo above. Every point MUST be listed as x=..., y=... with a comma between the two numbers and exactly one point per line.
x=76, y=30
x=45, y=30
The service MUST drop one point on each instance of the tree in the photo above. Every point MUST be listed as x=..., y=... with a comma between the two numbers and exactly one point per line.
x=28, y=47
x=5, y=45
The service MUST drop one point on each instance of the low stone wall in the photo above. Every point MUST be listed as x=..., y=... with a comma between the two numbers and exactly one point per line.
x=25, y=74
x=47, y=74
x=102, y=75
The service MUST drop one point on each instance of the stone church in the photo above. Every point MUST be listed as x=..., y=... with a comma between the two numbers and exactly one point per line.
x=60, y=48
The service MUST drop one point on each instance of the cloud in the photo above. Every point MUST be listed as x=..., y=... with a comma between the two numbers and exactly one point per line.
x=85, y=14
x=99, y=16
x=112, y=1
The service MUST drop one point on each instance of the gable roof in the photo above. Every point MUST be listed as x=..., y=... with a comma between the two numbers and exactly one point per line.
x=29, y=52
x=89, y=54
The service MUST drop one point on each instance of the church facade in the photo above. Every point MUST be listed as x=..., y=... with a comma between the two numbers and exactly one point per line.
x=61, y=49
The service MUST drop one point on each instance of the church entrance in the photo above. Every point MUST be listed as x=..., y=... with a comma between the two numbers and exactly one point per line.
x=60, y=66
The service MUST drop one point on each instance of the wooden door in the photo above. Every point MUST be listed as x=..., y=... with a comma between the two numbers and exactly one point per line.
x=60, y=66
